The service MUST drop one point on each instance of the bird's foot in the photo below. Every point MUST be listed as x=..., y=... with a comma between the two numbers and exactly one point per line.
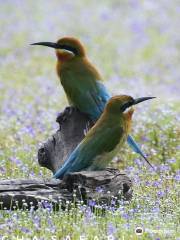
x=63, y=116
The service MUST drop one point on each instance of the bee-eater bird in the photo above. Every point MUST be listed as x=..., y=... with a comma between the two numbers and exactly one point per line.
x=81, y=81
x=104, y=139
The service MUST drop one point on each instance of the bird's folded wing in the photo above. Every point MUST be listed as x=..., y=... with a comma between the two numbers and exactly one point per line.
x=89, y=96
x=104, y=140
x=97, y=97
x=100, y=95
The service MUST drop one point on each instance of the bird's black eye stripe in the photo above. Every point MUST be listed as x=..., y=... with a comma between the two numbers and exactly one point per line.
x=69, y=48
x=126, y=105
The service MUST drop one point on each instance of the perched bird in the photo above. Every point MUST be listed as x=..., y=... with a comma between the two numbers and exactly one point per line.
x=104, y=139
x=81, y=81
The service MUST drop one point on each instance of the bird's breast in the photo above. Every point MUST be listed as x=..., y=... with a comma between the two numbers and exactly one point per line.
x=101, y=161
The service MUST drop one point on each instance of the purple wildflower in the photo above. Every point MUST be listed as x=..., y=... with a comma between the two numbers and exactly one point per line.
x=111, y=229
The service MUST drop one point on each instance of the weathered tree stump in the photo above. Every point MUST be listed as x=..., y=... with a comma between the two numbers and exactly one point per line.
x=72, y=125
x=95, y=185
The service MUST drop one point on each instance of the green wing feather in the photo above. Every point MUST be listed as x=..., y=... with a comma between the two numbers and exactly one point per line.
x=103, y=141
x=85, y=92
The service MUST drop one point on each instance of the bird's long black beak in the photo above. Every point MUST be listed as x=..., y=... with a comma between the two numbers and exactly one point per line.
x=48, y=44
x=138, y=100
x=134, y=102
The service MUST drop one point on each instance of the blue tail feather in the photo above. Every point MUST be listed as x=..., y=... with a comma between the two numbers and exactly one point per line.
x=136, y=148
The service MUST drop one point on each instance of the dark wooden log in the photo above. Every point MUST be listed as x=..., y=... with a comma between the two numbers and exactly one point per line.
x=97, y=185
